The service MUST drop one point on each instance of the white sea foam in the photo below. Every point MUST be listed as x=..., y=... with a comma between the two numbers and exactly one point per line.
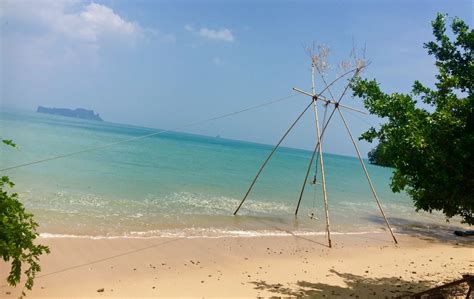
x=203, y=233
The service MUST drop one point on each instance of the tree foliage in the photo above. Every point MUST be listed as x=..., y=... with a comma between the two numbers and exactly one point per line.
x=17, y=235
x=428, y=135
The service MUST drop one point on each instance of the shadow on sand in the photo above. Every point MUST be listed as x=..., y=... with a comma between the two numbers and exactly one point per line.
x=268, y=223
x=356, y=287
x=431, y=232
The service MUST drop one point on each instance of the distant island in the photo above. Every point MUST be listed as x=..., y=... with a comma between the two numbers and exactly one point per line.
x=77, y=113
x=380, y=156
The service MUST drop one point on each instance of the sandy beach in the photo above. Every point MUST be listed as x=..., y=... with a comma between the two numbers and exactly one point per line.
x=364, y=266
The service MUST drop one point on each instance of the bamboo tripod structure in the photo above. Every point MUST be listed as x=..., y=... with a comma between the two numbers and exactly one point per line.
x=318, y=147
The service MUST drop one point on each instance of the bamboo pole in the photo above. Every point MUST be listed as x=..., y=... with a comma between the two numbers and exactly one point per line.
x=323, y=176
x=269, y=156
x=366, y=174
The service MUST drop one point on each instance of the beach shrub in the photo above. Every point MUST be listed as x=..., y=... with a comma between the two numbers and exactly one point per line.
x=17, y=235
x=428, y=134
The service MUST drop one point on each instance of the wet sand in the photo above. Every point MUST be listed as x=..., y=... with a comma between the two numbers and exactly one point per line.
x=363, y=266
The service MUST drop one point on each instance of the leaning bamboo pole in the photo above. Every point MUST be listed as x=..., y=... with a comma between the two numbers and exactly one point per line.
x=366, y=173
x=269, y=157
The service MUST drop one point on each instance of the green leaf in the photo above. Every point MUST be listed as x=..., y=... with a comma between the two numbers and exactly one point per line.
x=17, y=236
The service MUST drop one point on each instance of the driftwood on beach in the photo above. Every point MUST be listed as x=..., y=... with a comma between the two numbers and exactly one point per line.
x=448, y=289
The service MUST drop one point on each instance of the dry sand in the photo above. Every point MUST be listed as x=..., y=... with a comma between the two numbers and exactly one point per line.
x=364, y=266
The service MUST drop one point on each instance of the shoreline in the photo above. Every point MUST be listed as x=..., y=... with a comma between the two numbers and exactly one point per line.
x=364, y=265
x=440, y=231
x=230, y=234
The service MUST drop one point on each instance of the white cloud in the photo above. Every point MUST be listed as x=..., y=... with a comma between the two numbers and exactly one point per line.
x=96, y=20
x=72, y=19
x=74, y=30
x=223, y=34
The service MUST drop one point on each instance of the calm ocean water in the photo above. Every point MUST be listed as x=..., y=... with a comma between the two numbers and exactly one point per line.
x=178, y=184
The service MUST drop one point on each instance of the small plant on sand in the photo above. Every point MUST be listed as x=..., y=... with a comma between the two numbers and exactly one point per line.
x=17, y=235
x=431, y=146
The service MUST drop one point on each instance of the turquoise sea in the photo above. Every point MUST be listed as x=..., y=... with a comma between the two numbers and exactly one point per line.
x=178, y=184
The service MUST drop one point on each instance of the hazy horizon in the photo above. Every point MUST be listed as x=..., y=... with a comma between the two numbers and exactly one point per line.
x=188, y=133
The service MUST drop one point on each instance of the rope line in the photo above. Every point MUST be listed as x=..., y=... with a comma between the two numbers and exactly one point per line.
x=360, y=118
x=149, y=135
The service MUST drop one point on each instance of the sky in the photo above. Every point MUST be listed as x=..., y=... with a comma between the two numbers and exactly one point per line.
x=165, y=64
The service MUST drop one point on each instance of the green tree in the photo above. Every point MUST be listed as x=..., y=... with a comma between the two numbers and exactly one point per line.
x=17, y=235
x=431, y=145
